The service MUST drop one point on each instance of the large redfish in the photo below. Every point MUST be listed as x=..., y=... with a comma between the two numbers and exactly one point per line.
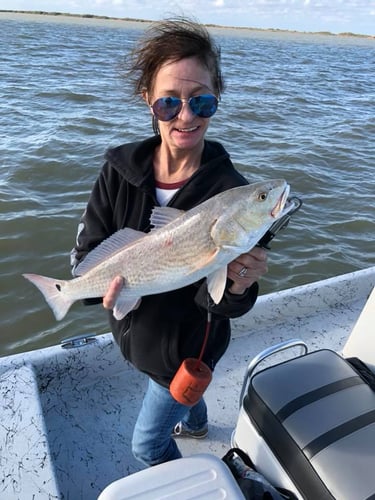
x=182, y=248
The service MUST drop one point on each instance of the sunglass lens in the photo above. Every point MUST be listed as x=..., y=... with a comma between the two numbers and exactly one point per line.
x=204, y=105
x=167, y=108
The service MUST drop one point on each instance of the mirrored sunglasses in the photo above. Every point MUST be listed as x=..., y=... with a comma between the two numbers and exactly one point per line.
x=167, y=108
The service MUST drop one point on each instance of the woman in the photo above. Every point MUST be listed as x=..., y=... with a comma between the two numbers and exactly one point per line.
x=177, y=72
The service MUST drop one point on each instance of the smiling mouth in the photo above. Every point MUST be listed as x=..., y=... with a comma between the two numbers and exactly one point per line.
x=190, y=129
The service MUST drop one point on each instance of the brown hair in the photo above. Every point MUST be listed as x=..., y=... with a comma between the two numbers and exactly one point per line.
x=173, y=40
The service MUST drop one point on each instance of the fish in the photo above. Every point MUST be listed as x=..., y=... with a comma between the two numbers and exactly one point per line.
x=182, y=248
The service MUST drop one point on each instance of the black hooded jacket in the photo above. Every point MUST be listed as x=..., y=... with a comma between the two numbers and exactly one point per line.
x=169, y=327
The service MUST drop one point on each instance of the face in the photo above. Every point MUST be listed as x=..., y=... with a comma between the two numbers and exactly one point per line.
x=184, y=79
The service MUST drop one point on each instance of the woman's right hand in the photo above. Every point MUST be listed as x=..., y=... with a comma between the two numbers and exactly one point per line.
x=109, y=299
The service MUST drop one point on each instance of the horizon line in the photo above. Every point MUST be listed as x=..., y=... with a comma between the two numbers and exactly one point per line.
x=210, y=25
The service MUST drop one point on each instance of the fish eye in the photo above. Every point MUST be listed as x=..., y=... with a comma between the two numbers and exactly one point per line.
x=262, y=196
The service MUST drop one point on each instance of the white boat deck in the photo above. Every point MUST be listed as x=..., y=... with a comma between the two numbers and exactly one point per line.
x=67, y=414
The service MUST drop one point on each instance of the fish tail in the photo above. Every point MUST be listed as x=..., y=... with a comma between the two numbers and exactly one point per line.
x=53, y=291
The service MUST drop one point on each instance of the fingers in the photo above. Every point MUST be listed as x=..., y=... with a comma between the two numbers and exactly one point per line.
x=254, y=261
x=247, y=269
x=113, y=292
x=257, y=253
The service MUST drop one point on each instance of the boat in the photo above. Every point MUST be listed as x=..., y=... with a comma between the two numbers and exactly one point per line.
x=67, y=411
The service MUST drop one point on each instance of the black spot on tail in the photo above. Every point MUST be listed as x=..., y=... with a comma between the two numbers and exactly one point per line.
x=58, y=287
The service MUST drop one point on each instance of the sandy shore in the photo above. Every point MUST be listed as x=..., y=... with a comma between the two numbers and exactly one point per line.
x=73, y=19
x=140, y=23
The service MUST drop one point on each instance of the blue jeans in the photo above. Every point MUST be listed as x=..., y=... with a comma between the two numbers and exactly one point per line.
x=152, y=443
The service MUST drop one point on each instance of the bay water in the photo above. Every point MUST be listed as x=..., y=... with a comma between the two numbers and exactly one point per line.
x=296, y=106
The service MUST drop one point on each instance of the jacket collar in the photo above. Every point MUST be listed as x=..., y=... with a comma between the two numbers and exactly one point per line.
x=134, y=160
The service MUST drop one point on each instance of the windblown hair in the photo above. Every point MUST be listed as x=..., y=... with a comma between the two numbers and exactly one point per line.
x=169, y=41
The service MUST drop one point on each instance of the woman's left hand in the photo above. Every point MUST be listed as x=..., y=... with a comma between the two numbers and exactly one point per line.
x=247, y=269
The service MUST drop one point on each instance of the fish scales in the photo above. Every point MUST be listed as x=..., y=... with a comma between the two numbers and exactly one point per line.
x=150, y=260
x=191, y=245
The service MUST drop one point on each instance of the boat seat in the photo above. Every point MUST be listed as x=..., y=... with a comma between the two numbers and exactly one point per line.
x=361, y=341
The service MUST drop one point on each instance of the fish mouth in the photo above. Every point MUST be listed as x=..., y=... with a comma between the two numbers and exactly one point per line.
x=282, y=207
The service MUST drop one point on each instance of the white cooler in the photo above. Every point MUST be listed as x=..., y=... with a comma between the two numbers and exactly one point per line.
x=200, y=477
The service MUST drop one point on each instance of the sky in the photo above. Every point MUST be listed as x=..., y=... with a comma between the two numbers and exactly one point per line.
x=335, y=16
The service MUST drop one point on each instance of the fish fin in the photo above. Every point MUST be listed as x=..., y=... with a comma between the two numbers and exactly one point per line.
x=124, y=305
x=53, y=291
x=216, y=284
x=107, y=248
x=161, y=216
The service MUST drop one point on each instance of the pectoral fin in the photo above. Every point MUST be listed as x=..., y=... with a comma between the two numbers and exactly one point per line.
x=216, y=284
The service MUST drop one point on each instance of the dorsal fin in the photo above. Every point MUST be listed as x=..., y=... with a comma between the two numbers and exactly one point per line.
x=161, y=216
x=107, y=248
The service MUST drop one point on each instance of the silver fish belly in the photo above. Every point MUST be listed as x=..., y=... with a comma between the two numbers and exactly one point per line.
x=183, y=248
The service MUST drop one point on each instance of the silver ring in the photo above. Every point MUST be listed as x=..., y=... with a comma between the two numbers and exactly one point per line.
x=243, y=272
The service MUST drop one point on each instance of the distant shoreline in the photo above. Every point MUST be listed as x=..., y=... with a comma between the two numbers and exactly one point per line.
x=148, y=21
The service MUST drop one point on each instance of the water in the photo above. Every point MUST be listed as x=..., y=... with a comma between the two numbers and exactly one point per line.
x=296, y=106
